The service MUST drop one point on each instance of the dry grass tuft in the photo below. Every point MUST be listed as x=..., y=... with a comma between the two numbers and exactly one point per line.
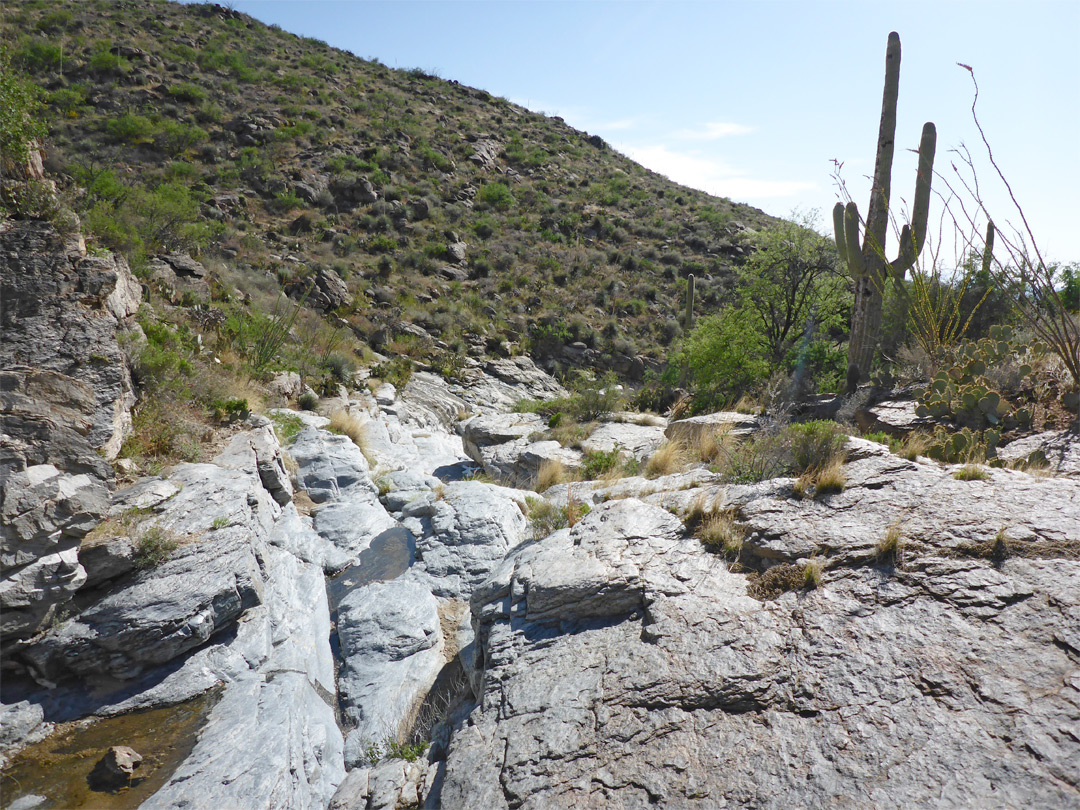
x=831, y=478
x=812, y=575
x=347, y=424
x=670, y=457
x=891, y=546
x=713, y=445
x=915, y=444
x=971, y=472
x=720, y=531
x=551, y=472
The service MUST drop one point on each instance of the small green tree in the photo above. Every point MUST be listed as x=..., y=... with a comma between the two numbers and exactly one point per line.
x=21, y=122
x=790, y=287
x=720, y=360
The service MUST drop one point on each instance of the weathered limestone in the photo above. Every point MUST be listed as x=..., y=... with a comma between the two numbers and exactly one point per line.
x=691, y=430
x=392, y=648
x=625, y=667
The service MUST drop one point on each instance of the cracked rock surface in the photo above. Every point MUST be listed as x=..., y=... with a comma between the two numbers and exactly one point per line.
x=625, y=667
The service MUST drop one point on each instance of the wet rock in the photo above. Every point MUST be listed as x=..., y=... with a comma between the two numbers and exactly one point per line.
x=116, y=769
x=268, y=744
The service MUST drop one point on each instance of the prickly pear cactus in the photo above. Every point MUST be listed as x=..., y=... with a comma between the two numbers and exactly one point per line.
x=964, y=445
x=964, y=394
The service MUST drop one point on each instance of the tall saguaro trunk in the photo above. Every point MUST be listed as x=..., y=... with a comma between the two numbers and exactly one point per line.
x=866, y=262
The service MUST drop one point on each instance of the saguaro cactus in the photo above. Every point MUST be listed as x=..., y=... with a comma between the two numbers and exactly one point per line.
x=689, y=302
x=866, y=262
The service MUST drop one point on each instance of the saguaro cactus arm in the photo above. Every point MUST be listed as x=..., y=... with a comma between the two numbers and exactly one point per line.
x=911, y=244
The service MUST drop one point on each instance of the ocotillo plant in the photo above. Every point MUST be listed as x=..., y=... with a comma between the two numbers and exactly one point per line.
x=689, y=302
x=866, y=262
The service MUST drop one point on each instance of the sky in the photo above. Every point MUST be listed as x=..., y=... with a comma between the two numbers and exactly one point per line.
x=755, y=99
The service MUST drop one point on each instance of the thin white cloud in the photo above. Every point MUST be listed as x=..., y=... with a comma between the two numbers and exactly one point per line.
x=578, y=117
x=710, y=174
x=614, y=126
x=713, y=130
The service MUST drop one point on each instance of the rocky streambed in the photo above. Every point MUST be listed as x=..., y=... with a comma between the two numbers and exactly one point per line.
x=272, y=626
x=614, y=663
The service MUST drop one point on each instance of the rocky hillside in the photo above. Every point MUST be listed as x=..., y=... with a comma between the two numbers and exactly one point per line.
x=436, y=220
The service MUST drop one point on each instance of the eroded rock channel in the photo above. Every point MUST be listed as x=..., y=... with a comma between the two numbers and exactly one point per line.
x=291, y=643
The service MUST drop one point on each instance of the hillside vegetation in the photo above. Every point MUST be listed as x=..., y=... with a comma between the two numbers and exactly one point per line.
x=335, y=207
x=269, y=156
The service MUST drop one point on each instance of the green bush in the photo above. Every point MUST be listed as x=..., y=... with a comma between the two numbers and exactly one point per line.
x=154, y=547
x=721, y=359
x=39, y=56
x=104, y=61
x=188, y=92
x=68, y=99
x=175, y=138
x=20, y=119
x=815, y=444
x=497, y=196
x=397, y=371
x=131, y=128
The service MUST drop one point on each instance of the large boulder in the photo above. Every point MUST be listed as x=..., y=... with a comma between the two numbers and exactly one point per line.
x=62, y=359
x=472, y=527
x=200, y=574
x=392, y=648
x=626, y=666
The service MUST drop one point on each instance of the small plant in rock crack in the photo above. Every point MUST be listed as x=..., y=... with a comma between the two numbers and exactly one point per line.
x=154, y=547
x=890, y=548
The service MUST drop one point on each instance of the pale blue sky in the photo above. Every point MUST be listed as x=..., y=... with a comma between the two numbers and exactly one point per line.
x=753, y=100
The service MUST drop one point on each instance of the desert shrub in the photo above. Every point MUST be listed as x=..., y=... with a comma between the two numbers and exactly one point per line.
x=599, y=462
x=719, y=360
x=154, y=546
x=20, y=120
x=397, y=371
x=287, y=426
x=815, y=445
x=188, y=92
x=39, y=55
x=175, y=138
x=546, y=517
x=308, y=400
x=759, y=458
x=778, y=580
x=68, y=99
x=497, y=196
x=104, y=61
